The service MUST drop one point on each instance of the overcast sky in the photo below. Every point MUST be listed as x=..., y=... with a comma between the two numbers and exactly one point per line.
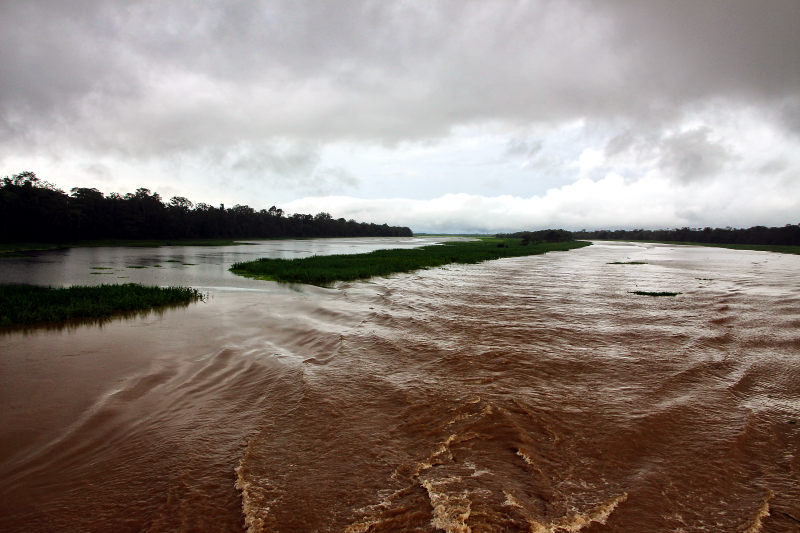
x=442, y=116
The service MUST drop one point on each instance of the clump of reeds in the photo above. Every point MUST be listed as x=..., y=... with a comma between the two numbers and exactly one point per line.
x=23, y=305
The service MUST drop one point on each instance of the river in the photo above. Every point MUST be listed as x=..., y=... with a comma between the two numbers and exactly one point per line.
x=525, y=394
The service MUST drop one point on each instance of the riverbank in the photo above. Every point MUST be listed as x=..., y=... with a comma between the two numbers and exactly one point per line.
x=28, y=305
x=325, y=270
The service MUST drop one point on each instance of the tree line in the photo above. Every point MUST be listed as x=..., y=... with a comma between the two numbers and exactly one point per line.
x=33, y=210
x=784, y=235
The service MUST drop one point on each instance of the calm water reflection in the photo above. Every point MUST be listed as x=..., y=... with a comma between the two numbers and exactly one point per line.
x=202, y=267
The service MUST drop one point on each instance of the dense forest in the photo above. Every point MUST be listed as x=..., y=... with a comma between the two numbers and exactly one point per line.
x=785, y=235
x=33, y=210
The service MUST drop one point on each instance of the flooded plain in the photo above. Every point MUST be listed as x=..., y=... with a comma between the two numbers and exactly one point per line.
x=525, y=394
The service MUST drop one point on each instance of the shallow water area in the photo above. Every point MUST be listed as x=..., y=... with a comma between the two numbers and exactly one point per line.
x=202, y=267
x=527, y=394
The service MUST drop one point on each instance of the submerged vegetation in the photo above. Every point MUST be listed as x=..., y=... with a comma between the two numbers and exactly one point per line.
x=28, y=305
x=649, y=293
x=324, y=270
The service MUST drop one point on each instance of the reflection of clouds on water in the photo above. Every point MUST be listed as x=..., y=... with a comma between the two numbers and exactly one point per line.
x=202, y=267
x=74, y=324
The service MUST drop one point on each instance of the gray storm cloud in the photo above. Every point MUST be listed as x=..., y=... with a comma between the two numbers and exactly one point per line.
x=385, y=69
x=222, y=84
x=692, y=155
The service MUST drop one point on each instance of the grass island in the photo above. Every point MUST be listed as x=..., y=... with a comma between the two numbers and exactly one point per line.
x=325, y=270
x=29, y=305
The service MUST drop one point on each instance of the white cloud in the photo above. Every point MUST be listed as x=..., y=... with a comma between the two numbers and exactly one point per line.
x=611, y=202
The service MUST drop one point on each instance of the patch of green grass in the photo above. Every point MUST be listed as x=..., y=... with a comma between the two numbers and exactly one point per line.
x=189, y=264
x=324, y=270
x=102, y=273
x=627, y=263
x=172, y=261
x=102, y=268
x=136, y=266
x=28, y=305
x=649, y=293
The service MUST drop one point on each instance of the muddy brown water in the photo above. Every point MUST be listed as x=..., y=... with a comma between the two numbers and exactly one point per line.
x=527, y=394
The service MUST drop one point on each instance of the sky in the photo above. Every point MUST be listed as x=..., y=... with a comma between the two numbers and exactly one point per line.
x=444, y=116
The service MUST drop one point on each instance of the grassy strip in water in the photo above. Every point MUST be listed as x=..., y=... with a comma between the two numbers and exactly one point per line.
x=26, y=305
x=326, y=269
x=649, y=293
x=627, y=263
x=778, y=248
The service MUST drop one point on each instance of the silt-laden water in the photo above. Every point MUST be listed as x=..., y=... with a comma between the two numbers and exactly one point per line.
x=526, y=394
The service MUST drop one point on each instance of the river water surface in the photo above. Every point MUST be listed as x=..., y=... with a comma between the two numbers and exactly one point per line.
x=527, y=394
